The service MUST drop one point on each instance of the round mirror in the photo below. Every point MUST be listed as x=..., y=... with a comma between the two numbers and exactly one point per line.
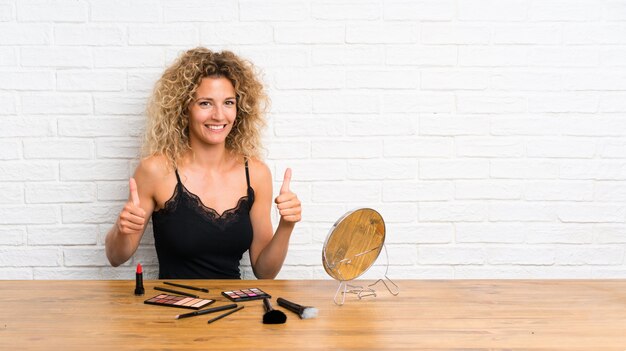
x=353, y=244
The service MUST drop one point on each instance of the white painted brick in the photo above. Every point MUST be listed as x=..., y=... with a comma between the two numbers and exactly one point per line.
x=513, y=211
x=559, y=190
x=596, y=80
x=615, y=10
x=423, y=272
x=559, y=233
x=62, y=235
x=118, y=148
x=128, y=57
x=16, y=274
x=565, y=148
x=612, y=148
x=11, y=194
x=58, y=149
x=370, y=79
x=352, y=55
x=308, y=78
x=428, y=233
x=142, y=81
x=7, y=12
x=10, y=150
x=595, y=255
x=326, y=212
x=123, y=104
x=609, y=233
x=527, y=125
x=613, y=57
x=341, y=192
x=273, y=10
x=384, y=125
x=594, y=33
x=520, y=255
x=563, y=57
x=563, y=10
x=398, y=212
x=453, y=125
x=61, y=57
x=200, y=11
x=527, y=33
x=423, y=147
x=94, y=170
x=52, y=10
x=56, y=103
x=422, y=102
x=387, y=33
x=85, y=80
x=25, y=171
x=492, y=10
x=28, y=257
x=531, y=81
x=416, y=55
x=610, y=191
x=100, y=127
x=302, y=256
x=42, y=193
x=490, y=232
x=309, y=34
x=611, y=125
x=312, y=170
x=66, y=273
x=569, y=102
x=488, y=103
x=436, y=33
x=112, y=191
x=8, y=56
x=488, y=56
x=26, y=126
x=453, y=169
x=451, y=255
x=309, y=127
x=454, y=80
x=28, y=215
x=452, y=212
x=599, y=272
x=487, y=190
x=84, y=257
x=88, y=35
x=181, y=35
x=345, y=103
x=346, y=10
x=90, y=213
x=593, y=169
x=236, y=34
x=276, y=57
x=490, y=147
x=124, y=11
x=418, y=191
x=22, y=34
x=348, y=149
x=426, y=10
x=523, y=169
x=291, y=102
x=30, y=80
x=521, y=272
x=279, y=150
x=385, y=169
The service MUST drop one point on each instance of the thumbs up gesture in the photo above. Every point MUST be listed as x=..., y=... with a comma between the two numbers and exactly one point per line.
x=287, y=202
x=132, y=219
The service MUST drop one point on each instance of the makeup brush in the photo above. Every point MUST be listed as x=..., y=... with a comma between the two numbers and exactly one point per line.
x=271, y=315
x=305, y=312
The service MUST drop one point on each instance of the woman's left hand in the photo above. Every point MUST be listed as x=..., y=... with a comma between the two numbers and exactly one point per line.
x=288, y=203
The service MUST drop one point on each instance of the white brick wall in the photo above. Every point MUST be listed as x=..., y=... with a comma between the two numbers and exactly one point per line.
x=491, y=134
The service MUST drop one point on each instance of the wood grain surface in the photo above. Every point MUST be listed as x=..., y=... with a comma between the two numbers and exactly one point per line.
x=436, y=315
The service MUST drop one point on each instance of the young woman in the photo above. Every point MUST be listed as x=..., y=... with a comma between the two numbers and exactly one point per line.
x=201, y=180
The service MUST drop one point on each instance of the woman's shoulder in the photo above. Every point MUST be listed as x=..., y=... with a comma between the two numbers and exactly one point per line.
x=154, y=167
x=259, y=171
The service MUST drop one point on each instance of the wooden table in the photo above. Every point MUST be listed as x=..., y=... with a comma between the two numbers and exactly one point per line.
x=461, y=314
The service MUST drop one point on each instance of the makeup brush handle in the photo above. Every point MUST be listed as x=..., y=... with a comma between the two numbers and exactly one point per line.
x=293, y=307
x=267, y=305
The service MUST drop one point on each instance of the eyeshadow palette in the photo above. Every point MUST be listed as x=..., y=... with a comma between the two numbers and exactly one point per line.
x=178, y=301
x=245, y=294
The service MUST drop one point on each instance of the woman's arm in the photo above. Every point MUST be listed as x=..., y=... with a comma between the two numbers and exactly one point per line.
x=123, y=238
x=268, y=251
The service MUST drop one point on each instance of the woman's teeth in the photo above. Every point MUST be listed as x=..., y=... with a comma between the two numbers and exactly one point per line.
x=220, y=127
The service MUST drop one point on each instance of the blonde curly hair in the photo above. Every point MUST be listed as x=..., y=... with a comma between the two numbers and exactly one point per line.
x=167, y=129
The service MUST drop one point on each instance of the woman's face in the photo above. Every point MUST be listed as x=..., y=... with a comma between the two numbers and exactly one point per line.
x=212, y=112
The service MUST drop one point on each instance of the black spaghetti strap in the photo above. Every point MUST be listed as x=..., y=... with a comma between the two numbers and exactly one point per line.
x=247, y=174
x=177, y=176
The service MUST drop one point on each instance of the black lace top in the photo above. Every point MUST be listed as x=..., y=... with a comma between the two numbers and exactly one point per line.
x=195, y=242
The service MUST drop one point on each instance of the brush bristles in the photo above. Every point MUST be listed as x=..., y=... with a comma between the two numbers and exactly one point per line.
x=309, y=312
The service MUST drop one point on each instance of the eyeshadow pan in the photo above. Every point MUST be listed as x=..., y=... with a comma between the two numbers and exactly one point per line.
x=178, y=301
x=245, y=294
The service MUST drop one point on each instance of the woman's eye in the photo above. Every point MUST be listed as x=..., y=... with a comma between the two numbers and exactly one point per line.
x=204, y=103
x=230, y=102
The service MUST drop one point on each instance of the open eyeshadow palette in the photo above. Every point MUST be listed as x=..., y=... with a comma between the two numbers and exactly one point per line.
x=178, y=301
x=245, y=294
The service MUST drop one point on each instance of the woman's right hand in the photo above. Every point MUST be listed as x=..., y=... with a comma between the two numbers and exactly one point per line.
x=132, y=219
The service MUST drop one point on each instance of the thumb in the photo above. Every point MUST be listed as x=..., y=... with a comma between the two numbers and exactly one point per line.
x=134, y=195
x=285, y=187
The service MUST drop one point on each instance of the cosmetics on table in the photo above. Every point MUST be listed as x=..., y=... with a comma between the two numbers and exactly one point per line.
x=139, y=290
x=175, y=291
x=246, y=294
x=187, y=287
x=178, y=301
x=208, y=310
x=271, y=315
x=225, y=314
x=305, y=312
